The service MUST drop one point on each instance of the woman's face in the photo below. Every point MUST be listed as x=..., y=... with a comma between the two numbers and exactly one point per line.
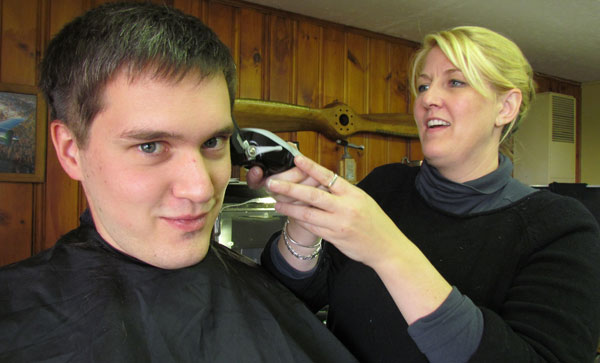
x=458, y=127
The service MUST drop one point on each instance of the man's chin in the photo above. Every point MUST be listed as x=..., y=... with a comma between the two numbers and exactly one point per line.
x=178, y=264
x=178, y=260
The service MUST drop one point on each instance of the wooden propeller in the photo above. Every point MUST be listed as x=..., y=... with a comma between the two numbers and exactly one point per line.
x=336, y=121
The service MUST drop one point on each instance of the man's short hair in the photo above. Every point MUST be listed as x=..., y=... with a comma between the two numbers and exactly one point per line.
x=137, y=38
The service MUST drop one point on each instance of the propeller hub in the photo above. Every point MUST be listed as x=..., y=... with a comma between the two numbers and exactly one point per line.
x=344, y=119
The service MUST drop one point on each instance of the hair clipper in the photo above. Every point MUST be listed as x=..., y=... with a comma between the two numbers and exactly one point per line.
x=258, y=147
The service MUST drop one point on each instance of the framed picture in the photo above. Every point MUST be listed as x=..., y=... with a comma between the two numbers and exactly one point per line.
x=22, y=134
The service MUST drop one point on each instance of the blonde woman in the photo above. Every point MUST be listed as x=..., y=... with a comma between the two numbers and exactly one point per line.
x=455, y=260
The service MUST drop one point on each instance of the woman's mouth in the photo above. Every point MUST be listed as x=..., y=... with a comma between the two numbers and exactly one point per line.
x=435, y=123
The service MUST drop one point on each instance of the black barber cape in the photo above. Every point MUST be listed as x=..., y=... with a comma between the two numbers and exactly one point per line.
x=83, y=301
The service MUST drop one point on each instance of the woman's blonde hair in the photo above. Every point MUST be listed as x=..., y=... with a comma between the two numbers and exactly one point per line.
x=491, y=63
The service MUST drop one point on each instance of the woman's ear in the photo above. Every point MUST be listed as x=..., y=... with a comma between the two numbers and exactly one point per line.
x=66, y=148
x=510, y=104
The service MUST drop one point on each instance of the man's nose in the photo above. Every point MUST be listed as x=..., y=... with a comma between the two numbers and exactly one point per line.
x=192, y=179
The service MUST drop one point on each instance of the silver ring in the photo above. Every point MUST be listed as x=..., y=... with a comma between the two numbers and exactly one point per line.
x=335, y=176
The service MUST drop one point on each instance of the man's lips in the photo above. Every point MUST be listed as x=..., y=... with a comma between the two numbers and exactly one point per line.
x=187, y=223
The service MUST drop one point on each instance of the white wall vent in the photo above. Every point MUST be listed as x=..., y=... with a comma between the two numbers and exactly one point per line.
x=563, y=119
x=544, y=145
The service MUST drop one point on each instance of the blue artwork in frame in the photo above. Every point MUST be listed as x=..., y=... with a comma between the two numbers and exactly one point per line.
x=22, y=134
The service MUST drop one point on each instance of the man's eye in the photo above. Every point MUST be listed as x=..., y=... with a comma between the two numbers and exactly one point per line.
x=214, y=143
x=422, y=88
x=151, y=147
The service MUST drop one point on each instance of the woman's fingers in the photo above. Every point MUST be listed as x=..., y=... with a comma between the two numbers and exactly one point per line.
x=255, y=177
x=312, y=196
x=323, y=192
x=324, y=176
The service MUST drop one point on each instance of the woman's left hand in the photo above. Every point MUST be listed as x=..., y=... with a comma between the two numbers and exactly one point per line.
x=343, y=214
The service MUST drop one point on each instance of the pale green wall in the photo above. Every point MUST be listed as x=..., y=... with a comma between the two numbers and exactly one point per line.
x=590, y=133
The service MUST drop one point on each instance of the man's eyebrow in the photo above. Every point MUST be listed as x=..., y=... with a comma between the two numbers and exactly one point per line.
x=225, y=130
x=149, y=134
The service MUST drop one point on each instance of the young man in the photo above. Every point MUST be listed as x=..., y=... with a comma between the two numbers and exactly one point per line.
x=141, y=98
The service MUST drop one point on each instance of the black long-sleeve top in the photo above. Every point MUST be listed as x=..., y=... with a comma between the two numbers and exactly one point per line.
x=532, y=267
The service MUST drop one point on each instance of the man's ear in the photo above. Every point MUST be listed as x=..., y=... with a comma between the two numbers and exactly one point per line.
x=510, y=104
x=66, y=149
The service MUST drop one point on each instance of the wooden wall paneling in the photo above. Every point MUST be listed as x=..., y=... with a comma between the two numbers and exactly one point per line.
x=62, y=194
x=19, y=53
x=397, y=149
x=250, y=30
x=19, y=41
x=39, y=189
x=356, y=91
x=192, y=7
x=334, y=65
x=378, y=72
x=222, y=20
x=96, y=3
x=400, y=56
x=280, y=63
x=399, y=96
x=404, y=54
x=333, y=82
x=379, y=96
x=415, y=152
x=60, y=12
x=281, y=59
x=39, y=223
x=542, y=83
x=252, y=50
x=376, y=150
x=16, y=223
x=308, y=65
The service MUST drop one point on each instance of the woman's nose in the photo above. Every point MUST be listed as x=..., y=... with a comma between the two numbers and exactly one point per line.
x=192, y=180
x=432, y=97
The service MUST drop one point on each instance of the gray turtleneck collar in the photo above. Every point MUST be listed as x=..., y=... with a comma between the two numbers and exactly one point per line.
x=492, y=191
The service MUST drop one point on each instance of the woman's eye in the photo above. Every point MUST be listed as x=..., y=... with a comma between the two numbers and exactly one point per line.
x=214, y=143
x=422, y=88
x=456, y=83
x=151, y=147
